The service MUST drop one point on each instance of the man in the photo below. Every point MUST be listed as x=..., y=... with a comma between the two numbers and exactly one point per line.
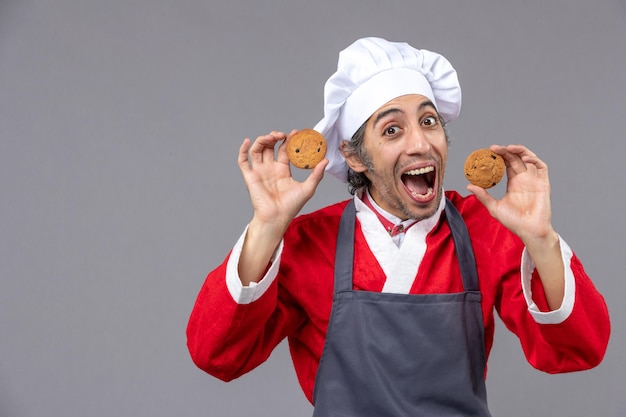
x=387, y=299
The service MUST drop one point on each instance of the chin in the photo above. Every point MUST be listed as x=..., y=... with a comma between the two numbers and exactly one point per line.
x=424, y=211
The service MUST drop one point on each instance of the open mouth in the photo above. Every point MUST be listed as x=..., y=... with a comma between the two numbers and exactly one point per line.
x=420, y=182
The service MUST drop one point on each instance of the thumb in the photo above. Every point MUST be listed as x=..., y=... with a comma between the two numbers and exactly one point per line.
x=316, y=176
x=483, y=196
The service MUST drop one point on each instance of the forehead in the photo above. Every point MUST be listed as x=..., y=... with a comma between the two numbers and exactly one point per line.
x=409, y=103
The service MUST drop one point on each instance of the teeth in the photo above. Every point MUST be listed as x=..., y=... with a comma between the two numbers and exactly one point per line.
x=428, y=193
x=420, y=171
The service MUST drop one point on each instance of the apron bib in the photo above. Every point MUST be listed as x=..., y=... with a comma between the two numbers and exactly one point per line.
x=392, y=355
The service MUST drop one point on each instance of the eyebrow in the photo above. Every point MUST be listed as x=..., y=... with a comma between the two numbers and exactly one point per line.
x=389, y=111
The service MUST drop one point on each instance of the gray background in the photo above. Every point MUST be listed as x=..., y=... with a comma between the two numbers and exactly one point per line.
x=119, y=190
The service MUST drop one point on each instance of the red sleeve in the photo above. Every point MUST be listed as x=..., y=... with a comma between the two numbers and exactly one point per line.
x=579, y=342
x=226, y=339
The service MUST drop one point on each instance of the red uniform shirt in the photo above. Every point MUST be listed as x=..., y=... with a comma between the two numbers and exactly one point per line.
x=227, y=339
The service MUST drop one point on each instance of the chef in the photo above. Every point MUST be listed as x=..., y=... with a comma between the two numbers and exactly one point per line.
x=387, y=299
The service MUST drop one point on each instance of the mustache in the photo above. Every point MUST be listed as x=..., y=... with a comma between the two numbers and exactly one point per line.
x=435, y=159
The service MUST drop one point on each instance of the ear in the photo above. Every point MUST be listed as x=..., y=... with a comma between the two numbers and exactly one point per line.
x=352, y=159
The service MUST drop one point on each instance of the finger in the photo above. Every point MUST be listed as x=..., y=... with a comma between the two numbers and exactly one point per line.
x=484, y=197
x=531, y=161
x=282, y=156
x=512, y=155
x=315, y=177
x=534, y=160
x=267, y=141
x=537, y=166
x=263, y=147
x=519, y=150
x=242, y=156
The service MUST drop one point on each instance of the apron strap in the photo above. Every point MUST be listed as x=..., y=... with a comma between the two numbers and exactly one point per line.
x=344, y=255
x=463, y=247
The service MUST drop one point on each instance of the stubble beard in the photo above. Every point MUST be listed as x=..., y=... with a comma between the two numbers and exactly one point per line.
x=384, y=185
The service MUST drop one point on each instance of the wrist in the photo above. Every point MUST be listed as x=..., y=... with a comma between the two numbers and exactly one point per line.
x=544, y=244
x=267, y=230
x=259, y=246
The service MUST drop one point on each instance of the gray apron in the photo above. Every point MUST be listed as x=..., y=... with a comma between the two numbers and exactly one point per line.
x=403, y=354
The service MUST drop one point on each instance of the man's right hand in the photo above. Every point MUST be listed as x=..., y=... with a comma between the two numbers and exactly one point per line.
x=276, y=199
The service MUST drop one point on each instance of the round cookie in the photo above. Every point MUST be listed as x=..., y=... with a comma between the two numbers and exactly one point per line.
x=484, y=168
x=306, y=148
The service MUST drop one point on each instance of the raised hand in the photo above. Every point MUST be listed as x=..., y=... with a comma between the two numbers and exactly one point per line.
x=525, y=210
x=525, y=207
x=276, y=199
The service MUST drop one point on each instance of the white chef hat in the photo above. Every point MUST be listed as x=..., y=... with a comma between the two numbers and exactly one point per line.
x=373, y=71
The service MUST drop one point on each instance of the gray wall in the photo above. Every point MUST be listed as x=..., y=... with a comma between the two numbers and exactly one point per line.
x=119, y=128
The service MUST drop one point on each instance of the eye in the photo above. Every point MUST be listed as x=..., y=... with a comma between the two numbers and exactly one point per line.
x=391, y=130
x=430, y=121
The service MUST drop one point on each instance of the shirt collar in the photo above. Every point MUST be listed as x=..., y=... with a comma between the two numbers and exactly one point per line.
x=427, y=224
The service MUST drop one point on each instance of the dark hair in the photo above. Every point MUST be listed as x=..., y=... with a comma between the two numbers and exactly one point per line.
x=355, y=146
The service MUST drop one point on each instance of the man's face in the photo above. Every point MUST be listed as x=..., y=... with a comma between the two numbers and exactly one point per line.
x=405, y=157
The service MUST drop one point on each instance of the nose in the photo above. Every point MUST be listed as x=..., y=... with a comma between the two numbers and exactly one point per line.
x=417, y=142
